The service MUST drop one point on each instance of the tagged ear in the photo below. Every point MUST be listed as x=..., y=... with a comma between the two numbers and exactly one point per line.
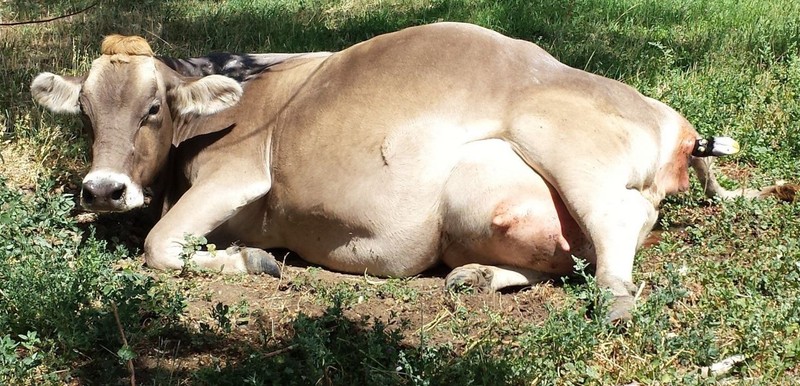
x=56, y=93
x=205, y=96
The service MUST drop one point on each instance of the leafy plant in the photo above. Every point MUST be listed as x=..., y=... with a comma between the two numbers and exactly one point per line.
x=55, y=306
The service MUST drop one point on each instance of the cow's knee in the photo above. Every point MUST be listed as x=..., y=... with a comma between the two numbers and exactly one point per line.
x=161, y=264
x=160, y=256
x=167, y=255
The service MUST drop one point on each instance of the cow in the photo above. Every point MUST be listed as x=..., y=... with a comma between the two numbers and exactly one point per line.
x=444, y=143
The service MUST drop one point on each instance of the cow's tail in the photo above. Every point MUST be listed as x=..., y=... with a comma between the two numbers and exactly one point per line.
x=703, y=155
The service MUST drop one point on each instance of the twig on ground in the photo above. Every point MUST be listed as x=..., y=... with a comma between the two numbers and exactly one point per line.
x=279, y=352
x=372, y=282
x=50, y=19
x=280, y=278
x=430, y=325
x=639, y=292
x=124, y=342
x=159, y=38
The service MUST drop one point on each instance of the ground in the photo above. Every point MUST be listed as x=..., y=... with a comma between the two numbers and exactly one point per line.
x=264, y=308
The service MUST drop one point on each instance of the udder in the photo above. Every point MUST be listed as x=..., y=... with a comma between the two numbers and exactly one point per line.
x=498, y=211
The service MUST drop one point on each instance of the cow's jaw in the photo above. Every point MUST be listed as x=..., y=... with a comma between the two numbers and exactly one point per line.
x=109, y=191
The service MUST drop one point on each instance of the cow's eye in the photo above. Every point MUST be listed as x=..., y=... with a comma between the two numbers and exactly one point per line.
x=154, y=109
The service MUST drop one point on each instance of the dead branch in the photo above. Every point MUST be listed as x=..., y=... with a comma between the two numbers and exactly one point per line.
x=51, y=19
x=279, y=352
x=124, y=342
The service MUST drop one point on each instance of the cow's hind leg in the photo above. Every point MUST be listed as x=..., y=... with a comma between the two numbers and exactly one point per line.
x=504, y=226
x=600, y=179
x=492, y=277
x=617, y=222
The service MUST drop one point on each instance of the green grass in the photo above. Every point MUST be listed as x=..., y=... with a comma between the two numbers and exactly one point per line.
x=724, y=280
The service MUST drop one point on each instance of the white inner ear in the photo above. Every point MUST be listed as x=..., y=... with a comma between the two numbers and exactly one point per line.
x=55, y=93
x=206, y=95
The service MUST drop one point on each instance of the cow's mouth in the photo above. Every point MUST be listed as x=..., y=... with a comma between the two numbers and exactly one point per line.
x=148, y=197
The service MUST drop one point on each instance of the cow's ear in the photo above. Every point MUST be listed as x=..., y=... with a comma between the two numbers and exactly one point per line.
x=56, y=93
x=198, y=102
x=206, y=95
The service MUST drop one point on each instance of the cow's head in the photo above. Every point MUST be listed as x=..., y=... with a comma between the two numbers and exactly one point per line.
x=132, y=103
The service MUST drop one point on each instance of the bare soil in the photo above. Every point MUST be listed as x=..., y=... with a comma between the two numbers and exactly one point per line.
x=263, y=310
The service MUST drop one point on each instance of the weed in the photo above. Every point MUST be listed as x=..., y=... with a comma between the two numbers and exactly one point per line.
x=191, y=245
x=221, y=314
x=54, y=307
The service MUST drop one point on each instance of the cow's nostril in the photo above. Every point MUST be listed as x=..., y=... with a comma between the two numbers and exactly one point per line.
x=87, y=195
x=117, y=194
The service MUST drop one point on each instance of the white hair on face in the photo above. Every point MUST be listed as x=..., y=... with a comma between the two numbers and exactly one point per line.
x=57, y=94
x=206, y=95
x=134, y=194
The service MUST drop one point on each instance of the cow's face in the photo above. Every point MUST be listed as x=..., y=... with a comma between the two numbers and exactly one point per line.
x=131, y=101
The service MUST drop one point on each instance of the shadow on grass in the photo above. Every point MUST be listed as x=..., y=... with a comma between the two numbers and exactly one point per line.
x=610, y=38
x=329, y=349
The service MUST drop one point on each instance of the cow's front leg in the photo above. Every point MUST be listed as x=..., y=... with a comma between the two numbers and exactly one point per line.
x=199, y=211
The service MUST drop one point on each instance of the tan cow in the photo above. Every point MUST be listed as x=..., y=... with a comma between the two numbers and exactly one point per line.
x=441, y=143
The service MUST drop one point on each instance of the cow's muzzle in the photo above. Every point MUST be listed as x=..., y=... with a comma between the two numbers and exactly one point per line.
x=105, y=191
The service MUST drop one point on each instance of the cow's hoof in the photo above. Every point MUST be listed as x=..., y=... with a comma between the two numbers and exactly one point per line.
x=620, y=309
x=473, y=276
x=260, y=261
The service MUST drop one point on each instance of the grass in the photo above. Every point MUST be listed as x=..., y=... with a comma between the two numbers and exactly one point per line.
x=722, y=281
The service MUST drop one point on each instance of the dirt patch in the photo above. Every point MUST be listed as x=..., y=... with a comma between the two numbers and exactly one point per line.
x=260, y=312
x=420, y=301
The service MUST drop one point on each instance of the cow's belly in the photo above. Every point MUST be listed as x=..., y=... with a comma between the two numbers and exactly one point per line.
x=339, y=241
x=384, y=222
x=470, y=203
x=498, y=211
x=388, y=252
x=372, y=202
